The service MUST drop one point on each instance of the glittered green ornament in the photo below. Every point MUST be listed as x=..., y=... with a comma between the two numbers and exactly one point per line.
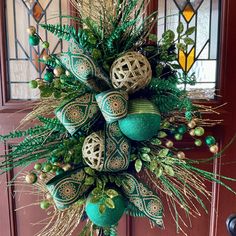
x=54, y=168
x=198, y=142
x=210, y=140
x=45, y=205
x=103, y=215
x=34, y=40
x=49, y=76
x=199, y=131
x=47, y=167
x=182, y=129
x=45, y=45
x=43, y=176
x=33, y=84
x=38, y=166
x=142, y=122
x=178, y=137
x=63, y=79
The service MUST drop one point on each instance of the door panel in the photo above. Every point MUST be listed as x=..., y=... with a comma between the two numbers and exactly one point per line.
x=222, y=204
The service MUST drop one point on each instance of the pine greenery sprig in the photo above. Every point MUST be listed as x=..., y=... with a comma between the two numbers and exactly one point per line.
x=19, y=134
x=32, y=148
x=167, y=96
x=65, y=32
x=52, y=124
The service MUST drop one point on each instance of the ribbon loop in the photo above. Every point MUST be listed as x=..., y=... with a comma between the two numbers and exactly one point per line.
x=117, y=149
x=67, y=188
x=81, y=65
x=79, y=113
x=144, y=199
x=113, y=104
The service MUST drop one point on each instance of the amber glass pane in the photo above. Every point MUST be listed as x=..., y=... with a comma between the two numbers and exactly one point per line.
x=188, y=12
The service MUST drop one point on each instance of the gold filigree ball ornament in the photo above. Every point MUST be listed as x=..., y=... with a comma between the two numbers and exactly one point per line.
x=131, y=72
x=93, y=150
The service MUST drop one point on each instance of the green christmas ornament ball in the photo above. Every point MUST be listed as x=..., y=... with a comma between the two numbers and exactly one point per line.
x=59, y=171
x=45, y=45
x=33, y=84
x=44, y=204
x=47, y=167
x=110, y=216
x=38, y=166
x=178, y=137
x=199, y=131
x=182, y=129
x=34, y=40
x=48, y=77
x=198, y=142
x=142, y=122
x=210, y=140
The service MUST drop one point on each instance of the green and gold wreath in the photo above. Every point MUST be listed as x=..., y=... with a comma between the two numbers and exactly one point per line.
x=111, y=114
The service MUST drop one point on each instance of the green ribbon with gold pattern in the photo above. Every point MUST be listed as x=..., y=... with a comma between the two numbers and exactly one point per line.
x=113, y=104
x=67, y=188
x=143, y=199
x=117, y=149
x=79, y=113
x=80, y=65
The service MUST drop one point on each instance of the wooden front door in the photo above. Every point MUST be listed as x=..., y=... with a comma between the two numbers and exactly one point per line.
x=222, y=204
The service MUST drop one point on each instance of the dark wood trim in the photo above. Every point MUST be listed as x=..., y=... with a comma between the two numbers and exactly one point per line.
x=3, y=54
x=11, y=205
x=128, y=224
x=11, y=199
x=152, y=7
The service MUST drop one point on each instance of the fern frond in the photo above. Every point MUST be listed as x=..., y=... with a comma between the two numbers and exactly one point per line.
x=22, y=133
x=52, y=124
x=65, y=32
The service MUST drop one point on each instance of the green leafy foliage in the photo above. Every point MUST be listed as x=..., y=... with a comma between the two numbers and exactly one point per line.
x=180, y=28
x=138, y=165
x=109, y=203
x=111, y=193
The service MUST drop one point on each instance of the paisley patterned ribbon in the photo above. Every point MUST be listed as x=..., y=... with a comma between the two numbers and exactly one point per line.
x=113, y=104
x=79, y=113
x=67, y=188
x=141, y=197
x=117, y=149
x=80, y=65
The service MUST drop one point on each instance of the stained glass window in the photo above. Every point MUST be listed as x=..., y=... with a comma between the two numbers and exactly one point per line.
x=202, y=57
x=23, y=64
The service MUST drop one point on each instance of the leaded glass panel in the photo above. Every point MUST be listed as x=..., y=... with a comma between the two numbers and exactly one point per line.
x=23, y=64
x=202, y=57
